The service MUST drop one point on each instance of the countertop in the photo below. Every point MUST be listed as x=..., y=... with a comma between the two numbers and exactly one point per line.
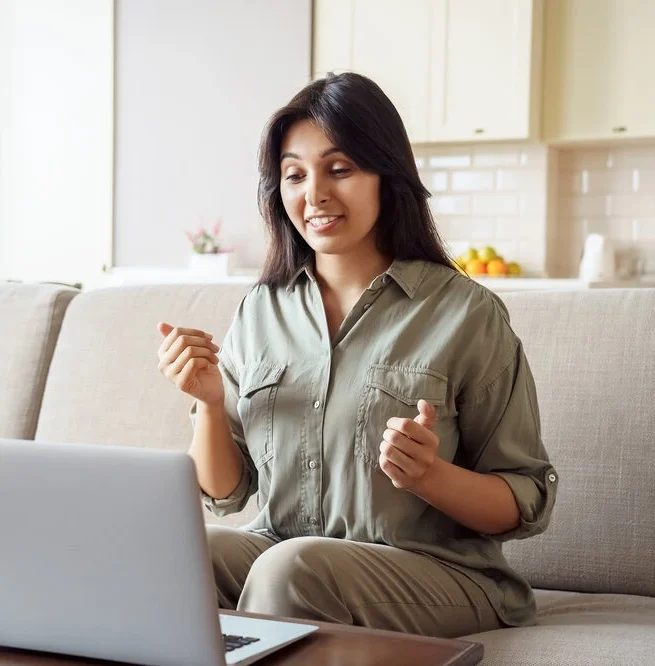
x=153, y=275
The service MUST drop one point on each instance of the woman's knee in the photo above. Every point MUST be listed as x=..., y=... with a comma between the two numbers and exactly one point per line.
x=293, y=579
x=291, y=561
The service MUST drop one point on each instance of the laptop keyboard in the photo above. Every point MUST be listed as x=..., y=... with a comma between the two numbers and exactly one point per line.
x=234, y=642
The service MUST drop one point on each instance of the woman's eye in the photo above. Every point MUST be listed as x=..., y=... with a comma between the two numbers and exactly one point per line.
x=294, y=177
x=340, y=172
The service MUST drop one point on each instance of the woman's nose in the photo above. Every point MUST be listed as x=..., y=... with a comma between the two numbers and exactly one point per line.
x=316, y=193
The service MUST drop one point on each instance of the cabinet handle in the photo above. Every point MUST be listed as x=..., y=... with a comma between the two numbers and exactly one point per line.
x=478, y=130
x=621, y=128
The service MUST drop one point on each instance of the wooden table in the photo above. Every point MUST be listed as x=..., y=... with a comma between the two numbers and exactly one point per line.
x=331, y=645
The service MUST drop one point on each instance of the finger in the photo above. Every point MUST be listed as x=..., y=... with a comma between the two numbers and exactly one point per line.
x=412, y=429
x=394, y=472
x=427, y=414
x=408, y=446
x=171, y=370
x=164, y=328
x=399, y=458
x=184, y=381
x=184, y=342
x=177, y=332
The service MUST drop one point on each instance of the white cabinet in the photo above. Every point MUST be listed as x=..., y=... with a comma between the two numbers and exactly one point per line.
x=599, y=67
x=391, y=45
x=386, y=40
x=457, y=70
x=485, y=69
x=332, y=36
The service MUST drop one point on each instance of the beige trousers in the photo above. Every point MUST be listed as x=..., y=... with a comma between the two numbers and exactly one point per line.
x=370, y=585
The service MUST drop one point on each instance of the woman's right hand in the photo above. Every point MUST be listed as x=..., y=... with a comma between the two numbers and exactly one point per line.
x=187, y=358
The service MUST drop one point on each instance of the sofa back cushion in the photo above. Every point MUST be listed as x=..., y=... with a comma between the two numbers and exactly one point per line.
x=30, y=319
x=593, y=357
x=104, y=386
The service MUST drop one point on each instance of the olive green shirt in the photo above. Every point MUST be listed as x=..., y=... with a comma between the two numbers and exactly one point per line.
x=308, y=413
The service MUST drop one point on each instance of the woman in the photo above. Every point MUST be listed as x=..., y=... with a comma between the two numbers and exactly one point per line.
x=376, y=400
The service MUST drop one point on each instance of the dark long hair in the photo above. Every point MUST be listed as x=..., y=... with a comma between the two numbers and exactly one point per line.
x=362, y=122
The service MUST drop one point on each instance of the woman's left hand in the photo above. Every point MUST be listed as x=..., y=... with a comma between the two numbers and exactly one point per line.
x=409, y=448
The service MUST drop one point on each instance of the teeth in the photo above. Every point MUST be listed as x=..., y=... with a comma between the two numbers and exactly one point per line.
x=320, y=221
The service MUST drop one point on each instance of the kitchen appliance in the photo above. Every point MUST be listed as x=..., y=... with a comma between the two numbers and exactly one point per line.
x=598, y=261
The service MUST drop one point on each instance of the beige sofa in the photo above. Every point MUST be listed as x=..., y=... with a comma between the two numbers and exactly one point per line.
x=82, y=367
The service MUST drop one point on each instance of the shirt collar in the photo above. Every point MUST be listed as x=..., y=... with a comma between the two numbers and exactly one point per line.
x=408, y=275
x=305, y=268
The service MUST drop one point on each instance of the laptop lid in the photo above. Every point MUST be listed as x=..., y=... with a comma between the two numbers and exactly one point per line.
x=104, y=555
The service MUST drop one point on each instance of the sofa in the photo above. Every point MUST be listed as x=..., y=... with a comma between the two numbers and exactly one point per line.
x=82, y=367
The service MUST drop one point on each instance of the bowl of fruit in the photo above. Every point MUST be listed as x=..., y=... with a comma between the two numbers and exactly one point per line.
x=486, y=262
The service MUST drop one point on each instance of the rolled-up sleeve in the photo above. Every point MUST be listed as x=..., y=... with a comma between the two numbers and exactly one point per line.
x=247, y=486
x=501, y=434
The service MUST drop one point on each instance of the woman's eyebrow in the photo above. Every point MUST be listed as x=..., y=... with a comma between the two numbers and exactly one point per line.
x=325, y=153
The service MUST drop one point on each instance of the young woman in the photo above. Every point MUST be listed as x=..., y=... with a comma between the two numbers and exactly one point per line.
x=376, y=400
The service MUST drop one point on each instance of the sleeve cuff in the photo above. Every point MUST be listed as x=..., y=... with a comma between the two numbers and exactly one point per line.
x=234, y=502
x=535, y=497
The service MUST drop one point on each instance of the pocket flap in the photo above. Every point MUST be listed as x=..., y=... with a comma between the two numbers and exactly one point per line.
x=258, y=377
x=409, y=385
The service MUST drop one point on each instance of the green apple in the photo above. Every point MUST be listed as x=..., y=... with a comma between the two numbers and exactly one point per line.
x=487, y=253
x=469, y=255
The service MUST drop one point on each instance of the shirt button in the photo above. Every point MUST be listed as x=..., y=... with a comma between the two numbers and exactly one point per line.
x=552, y=478
x=312, y=464
x=317, y=404
x=385, y=279
x=367, y=306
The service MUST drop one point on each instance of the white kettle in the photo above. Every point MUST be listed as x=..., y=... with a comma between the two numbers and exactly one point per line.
x=598, y=262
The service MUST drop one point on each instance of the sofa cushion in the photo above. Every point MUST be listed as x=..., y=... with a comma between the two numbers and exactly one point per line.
x=592, y=355
x=30, y=318
x=104, y=387
x=580, y=629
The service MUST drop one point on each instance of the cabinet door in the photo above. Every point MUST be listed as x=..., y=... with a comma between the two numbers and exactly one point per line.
x=485, y=65
x=332, y=48
x=600, y=61
x=391, y=45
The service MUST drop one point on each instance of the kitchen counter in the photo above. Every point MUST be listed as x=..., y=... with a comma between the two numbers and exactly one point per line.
x=560, y=284
x=153, y=275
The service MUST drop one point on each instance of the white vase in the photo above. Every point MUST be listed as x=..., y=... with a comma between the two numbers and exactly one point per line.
x=220, y=263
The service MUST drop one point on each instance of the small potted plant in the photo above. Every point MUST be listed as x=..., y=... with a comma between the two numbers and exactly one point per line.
x=208, y=253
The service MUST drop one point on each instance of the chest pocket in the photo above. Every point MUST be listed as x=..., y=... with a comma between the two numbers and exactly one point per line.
x=393, y=391
x=257, y=392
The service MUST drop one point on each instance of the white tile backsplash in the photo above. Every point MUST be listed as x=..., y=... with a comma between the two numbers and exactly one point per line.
x=608, y=190
x=499, y=204
x=479, y=192
x=539, y=203
x=472, y=181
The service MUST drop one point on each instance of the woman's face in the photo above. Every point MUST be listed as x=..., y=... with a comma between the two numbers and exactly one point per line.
x=333, y=204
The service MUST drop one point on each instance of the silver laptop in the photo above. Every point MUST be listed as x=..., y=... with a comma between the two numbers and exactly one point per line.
x=103, y=554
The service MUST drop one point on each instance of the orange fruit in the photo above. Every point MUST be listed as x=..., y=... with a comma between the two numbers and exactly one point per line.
x=497, y=267
x=476, y=267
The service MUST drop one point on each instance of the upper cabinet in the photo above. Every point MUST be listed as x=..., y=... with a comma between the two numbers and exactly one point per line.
x=457, y=70
x=485, y=69
x=599, y=67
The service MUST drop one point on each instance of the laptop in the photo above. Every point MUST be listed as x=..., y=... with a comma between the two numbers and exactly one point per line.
x=103, y=554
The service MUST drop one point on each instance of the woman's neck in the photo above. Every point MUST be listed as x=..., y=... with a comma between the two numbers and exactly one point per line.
x=344, y=275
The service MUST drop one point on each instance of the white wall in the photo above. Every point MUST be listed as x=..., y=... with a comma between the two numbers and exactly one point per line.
x=56, y=159
x=195, y=84
x=6, y=126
